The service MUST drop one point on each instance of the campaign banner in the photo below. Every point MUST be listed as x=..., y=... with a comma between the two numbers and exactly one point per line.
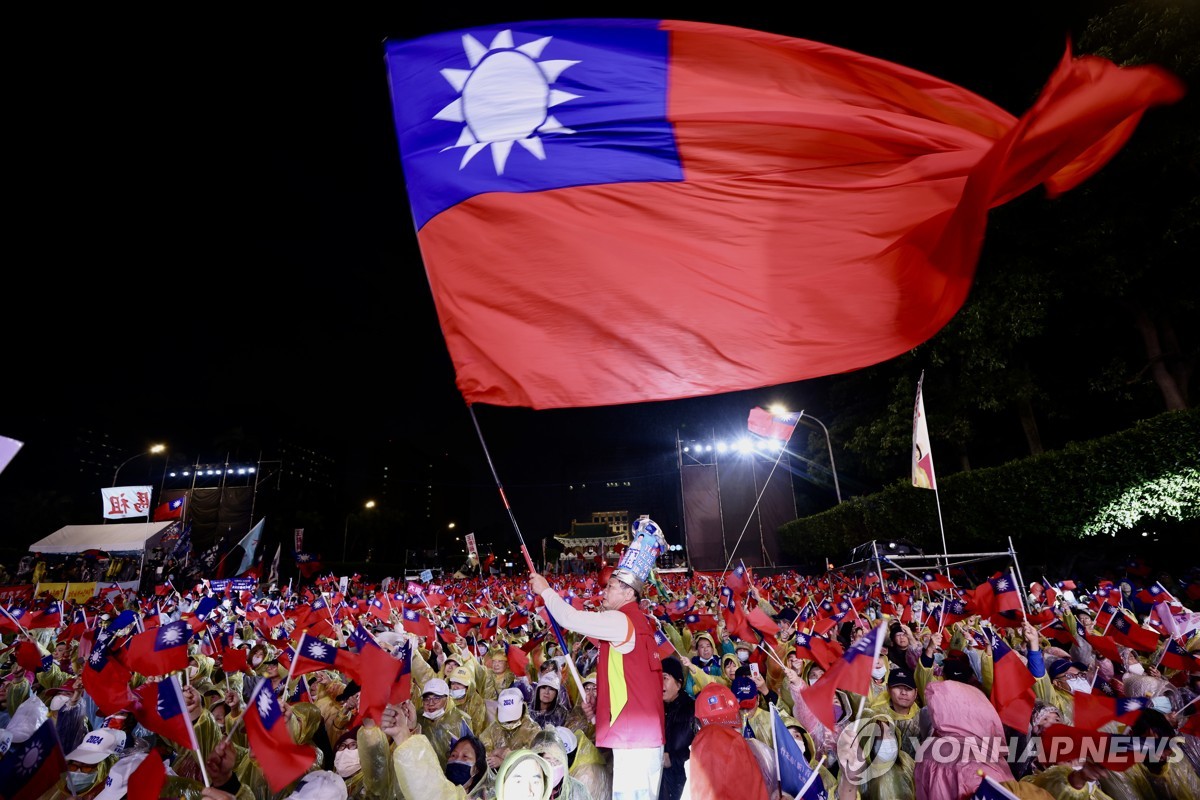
x=79, y=592
x=471, y=551
x=232, y=584
x=123, y=502
x=427, y=575
x=299, y=540
x=10, y=595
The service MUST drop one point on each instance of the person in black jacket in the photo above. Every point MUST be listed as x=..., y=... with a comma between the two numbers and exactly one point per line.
x=679, y=709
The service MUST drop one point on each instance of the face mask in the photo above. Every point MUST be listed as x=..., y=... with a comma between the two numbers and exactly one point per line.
x=80, y=781
x=256, y=660
x=459, y=773
x=889, y=748
x=743, y=655
x=557, y=771
x=458, y=694
x=1136, y=669
x=878, y=672
x=193, y=672
x=434, y=714
x=1081, y=685
x=346, y=763
x=57, y=702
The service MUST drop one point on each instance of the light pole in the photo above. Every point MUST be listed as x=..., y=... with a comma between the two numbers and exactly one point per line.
x=346, y=529
x=158, y=448
x=828, y=444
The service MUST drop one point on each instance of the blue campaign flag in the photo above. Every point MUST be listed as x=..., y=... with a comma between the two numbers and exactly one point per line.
x=796, y=777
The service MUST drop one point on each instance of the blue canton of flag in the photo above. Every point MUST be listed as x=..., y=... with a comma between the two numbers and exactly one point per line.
x=990, y=790
x=802, y=639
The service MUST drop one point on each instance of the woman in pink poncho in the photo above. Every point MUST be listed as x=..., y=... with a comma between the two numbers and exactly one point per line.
x=959, y=712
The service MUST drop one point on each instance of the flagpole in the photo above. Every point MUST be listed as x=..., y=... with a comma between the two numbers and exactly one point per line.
x=524, y=549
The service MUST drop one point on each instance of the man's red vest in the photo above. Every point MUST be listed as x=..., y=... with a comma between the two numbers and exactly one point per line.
x=640, y=723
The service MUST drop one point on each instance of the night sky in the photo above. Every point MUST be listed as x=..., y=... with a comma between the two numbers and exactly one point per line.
x=211, y=228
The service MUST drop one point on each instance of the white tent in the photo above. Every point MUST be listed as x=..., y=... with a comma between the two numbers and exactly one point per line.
x=111, y=538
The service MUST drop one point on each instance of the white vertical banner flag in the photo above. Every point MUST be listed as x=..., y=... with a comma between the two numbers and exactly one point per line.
x=122, y=502
x=922, y=455
x=299, y=540
x=471, y=551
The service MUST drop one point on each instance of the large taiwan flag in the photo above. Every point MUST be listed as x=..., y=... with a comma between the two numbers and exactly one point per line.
x=710, y=208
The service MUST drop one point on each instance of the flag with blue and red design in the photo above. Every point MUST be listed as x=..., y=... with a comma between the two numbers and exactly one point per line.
x=379, y=609
x=105, y=678
x=1093, y=711
x=462, y=623
x=79, y=625
x=281, y=759
x=1154, y=594
x=160, y=708
x=12, y=619
x=48, y=617
x=312, y=655
x=737, y=580
x=662, y=644
x=988, y=789
x=159, y=650
x=301, y=694
x=33, y=656
x=487, y=631
x=32, y=767
x=1176, y=657
x=697, y=622
x=678, y=609
x=851, y=672
x=416, y=624
x=1127, y=632
x=773, y=426
x=1012, y=686
x=1005, y=595
x=935, y=581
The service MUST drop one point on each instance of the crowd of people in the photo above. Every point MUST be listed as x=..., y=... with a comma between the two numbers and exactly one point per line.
x=627, y=684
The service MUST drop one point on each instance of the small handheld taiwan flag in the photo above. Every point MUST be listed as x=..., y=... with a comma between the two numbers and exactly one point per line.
x=159, y=650
x=33, y=766
x=779, y=426
x=281, y=759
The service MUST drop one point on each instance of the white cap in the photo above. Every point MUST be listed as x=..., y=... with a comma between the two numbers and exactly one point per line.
x=117, y=782
x=97, y=746
x=510, y=704
x=436, y=686
x=567, y=737
x=550, y=679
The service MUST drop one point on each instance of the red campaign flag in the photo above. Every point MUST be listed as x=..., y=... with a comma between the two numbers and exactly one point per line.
x=281, y=759
x=146, y=782
x=1176, y=657
x=1127, y=632
x=105, y=678
x=160, y=708
x=312, y=655
x=1095, y=710
x=159, y=650
x=32, y=767
x=379, y=674
x=851, y=672
x=487, y=631
x=877, y=178
x=1012, y=686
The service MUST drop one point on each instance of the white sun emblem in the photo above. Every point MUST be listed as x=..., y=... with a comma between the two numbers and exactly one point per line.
x=505, y=97
x=1002, y=585
x=316, y=650
x=170, y=636
x=264, y=704
x=33, y=757
x=97, y=655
